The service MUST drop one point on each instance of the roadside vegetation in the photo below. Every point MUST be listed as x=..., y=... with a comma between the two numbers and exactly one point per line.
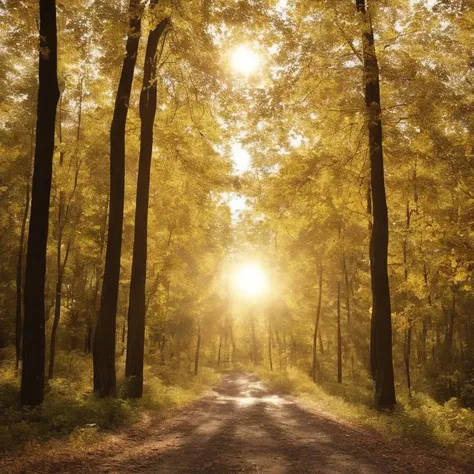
x=419, y=418
x=72, y=413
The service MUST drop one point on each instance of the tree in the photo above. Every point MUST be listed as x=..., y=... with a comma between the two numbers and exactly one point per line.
x=32, y=380
x=104, y=338
x=137, y=307
x=381, y=344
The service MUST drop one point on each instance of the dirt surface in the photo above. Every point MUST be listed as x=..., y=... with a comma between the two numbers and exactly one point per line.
x=242, y=427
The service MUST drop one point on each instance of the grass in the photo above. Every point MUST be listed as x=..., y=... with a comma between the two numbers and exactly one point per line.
x=419, y=418
x=70, y=410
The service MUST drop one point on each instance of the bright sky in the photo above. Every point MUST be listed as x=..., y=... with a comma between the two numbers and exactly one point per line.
x=241, y=158
x=251, y=280
x=242, y=163
x=244, y=60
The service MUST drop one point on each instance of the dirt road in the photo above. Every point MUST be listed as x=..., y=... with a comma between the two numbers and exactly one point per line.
x=242, y=427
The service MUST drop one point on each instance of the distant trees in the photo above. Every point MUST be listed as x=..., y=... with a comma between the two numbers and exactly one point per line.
x=32, y=381
x=104, y=339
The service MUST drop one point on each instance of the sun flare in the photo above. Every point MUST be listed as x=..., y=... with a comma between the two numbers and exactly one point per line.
x=245, y=60
x=251, y=280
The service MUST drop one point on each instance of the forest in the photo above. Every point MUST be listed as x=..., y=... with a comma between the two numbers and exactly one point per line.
x=223, y=215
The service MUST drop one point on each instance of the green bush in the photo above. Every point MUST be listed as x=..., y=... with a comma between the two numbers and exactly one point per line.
x=71, y=409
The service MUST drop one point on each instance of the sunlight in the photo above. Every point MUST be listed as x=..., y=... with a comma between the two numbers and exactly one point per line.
x=251, y=280
x=244, y=60
x=241, y=158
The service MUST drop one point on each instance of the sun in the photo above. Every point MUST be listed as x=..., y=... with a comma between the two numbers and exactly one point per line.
x=245, y=60
x=251, y=280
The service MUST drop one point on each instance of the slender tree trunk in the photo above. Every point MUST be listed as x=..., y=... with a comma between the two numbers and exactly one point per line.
x=316, y=322
x=19, y=279
x=407, y=355
x=57, y=309
x=382, y=341
x=408, y=331
x=339, y=335
x=270, y=358
x=219, y=350
x=32, y=381
x=452, y=317
x=63, y=214
x=254, y=342
x=20, y=260
x=104, y=338
x=136, y=309
x=198, y=348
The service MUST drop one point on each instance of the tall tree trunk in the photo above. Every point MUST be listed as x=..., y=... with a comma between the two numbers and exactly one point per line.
x=219, y=349
x=407, y=355
x=57, y=307
x=63, y=217
x=19, y=277
x=270, y=358
x=382, y=319
x=339, y=335
x=136, y=309
x=452, y=317
x=198, y=349
x=254, y=341
x=104, y=338
x=408, y=330
x=32, y=380
x=316, y=322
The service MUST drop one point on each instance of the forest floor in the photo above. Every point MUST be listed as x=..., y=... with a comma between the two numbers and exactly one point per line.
x=240, y=426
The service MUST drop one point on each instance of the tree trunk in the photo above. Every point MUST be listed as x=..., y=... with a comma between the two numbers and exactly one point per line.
x=382, y=320
x=407, y=354
x=316, y=322
x=198, y=348
x=104, y=338
x=63, y=213
x=219, y=350
x=339, y=336
x=57, y=310
x=452, y=317
x=270, y=359
x=136, y=309
x=32, y=380
x=254, y=341
x=162, y=349
x=408, y=331
x=19, y=279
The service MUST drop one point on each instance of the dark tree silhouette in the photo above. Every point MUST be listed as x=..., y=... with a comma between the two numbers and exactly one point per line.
x=137, y=306
x=381, y=341
x=104, y=338
x=32, y=380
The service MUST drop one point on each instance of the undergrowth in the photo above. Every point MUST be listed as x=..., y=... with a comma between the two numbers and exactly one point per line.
x=70, y=409
x=418, y=418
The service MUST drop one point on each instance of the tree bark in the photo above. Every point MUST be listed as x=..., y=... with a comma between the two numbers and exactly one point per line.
x=19, y=270
x=381, y=347
x=104, y=337
x=198, y=348
x=219, y=349
x=136, y=309
x=316, y=322
x=270, y=358
x=254, y=341
x=339, y=335
x=63, y=214
x=32, y=380
x=408, y=331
